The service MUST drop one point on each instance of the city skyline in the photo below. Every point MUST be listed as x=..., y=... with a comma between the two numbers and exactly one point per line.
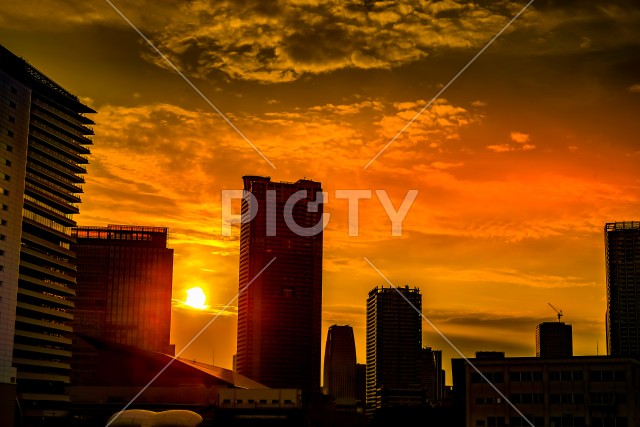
x=519, y=164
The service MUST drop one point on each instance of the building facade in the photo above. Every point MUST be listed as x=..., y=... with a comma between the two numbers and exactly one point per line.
x=394, y=346
x=123, y=291
x=593, y=391
x=433, y=376
x=622, y=256
x=340, y=363
x=44, y=139
x=279, y=310
x=554, y=339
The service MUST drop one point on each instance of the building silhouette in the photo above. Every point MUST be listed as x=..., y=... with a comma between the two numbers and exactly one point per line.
x=433, y=376
x=622, y=255
x=43, y=149
x=123, y=292
x=554, y=339
x=361, y=383
x=279, y=313
x=571, y=391
x=394, y=346
x=340, y=363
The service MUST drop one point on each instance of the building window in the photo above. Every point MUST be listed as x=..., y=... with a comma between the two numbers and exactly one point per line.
x=493, y=377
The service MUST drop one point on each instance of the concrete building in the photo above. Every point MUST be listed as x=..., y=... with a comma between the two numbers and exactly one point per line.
x=433, y=376
x=622, y=257
x=123, y=291
x=595, y=391
x=394, y=345
x=340, y=363
x=279, y=314
x=44, y=139
x=127, y=370
x=554, y=339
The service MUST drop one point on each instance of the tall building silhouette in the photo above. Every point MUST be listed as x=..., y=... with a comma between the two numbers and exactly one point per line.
x=554, y=339
x=279, y=313
x=340, y=362
x=123, y=291
x=43, y=149
x=433, y=376
x=622, y=255
x=394, y=346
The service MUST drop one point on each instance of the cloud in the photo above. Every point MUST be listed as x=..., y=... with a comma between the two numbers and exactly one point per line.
x=279, y=41
x=635, y=88
x=500, y=148
x=519, y=137
x=445, y=165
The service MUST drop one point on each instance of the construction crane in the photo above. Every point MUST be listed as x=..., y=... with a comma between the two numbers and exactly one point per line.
x=556, y=310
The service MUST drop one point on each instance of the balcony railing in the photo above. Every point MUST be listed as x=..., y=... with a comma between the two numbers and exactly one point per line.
x=67, y=161
x=56, y=122
x=57, y=168
x=66, y=149
x=62, y=136
x=46, y=222
x=66, y=191
x=59, y=200
x=65, y=116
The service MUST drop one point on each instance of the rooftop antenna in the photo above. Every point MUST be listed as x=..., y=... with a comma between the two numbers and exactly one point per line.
x=556, y=310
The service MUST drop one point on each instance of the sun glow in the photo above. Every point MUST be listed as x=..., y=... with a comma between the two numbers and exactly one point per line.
x=196, y=298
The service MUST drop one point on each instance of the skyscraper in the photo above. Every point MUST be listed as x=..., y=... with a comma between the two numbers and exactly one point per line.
x=123, y=291
x=43, y=150
x=279, y=313
x=554, y=339
x=340, y=362
x=394, y=345
x=622, y=255
x=432, y=374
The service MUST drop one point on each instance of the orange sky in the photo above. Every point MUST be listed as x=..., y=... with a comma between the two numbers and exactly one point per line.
x=518, y=165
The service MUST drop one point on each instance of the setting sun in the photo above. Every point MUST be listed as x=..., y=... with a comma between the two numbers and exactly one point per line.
x=196, y=298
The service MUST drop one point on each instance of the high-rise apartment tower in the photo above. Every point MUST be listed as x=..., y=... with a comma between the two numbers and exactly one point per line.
x=44, y=139
x=394, y=346
x=622, y=255
x=279, y=310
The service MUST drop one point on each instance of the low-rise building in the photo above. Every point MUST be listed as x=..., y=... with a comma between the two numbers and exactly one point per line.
x=595, y=391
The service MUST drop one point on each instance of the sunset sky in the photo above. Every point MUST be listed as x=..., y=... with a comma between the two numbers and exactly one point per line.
x=518, y=165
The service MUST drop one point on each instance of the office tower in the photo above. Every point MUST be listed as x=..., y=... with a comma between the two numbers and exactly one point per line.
x=622, y=254
x=554, y=339
x=279, y=313
x=340, y=362
x=123, y=291
x=361, y=383
x=432, y=374
x=394, y=345
x=43, y=150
